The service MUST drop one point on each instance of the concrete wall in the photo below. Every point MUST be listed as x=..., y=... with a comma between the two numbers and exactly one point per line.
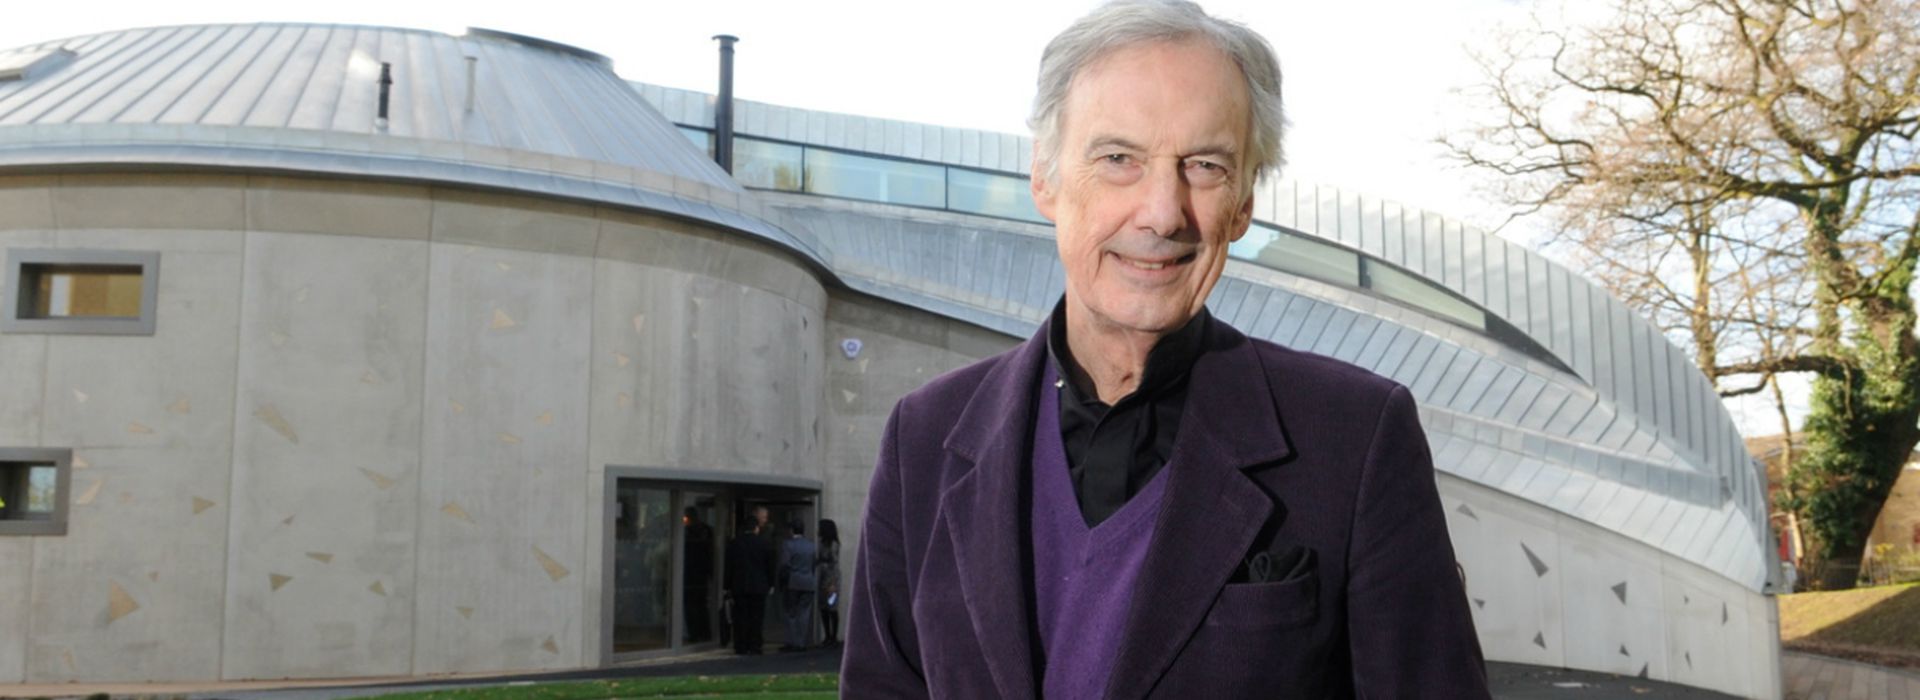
x=900, y=349
x=151, y=420
x=707, y=355
x=26, y=219
x=331, y=350
x=1549, y=589
x=368, y=437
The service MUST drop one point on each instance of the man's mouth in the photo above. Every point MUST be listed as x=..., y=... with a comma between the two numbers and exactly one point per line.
x=1152, y=264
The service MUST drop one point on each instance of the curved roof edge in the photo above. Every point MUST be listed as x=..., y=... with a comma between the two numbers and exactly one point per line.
x=604, y=184
x=539, y=43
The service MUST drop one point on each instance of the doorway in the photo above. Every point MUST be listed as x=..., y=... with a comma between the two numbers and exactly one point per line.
x=664, y=554
x=781, y=513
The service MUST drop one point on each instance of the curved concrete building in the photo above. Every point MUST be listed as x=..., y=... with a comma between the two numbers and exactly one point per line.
x=335, y=351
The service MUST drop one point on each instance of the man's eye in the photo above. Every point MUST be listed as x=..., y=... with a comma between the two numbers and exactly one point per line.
x=1205, y=171
x=1117, y=159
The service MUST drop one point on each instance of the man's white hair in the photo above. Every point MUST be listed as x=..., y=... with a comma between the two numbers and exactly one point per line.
x=1124, y=23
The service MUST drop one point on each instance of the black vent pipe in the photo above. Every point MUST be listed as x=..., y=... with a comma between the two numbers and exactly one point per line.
x=723, y=107
x=386, y=86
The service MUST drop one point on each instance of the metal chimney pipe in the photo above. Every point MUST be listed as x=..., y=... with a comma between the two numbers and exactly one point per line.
x=723, y=107
x=386, y=87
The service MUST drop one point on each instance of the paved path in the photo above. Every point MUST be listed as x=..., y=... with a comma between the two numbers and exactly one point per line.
x=1807, y=677
x=1509, y=681
x=1810, y=677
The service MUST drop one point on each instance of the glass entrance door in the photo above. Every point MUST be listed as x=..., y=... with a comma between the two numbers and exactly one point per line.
x=665, y=556
x=643, y=554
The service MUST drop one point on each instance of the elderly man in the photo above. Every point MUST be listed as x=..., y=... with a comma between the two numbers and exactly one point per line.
x=1140, y=501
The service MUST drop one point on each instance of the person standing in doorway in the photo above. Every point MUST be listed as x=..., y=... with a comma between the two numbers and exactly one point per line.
x=797, y=583
x=750, y=561
x=829, y=593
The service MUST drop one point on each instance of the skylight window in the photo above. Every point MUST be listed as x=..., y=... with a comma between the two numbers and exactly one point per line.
x=27, y=65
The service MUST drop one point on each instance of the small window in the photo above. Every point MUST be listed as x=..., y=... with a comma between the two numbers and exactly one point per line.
x=767, y=165
x=700, y=137
x=875, y=179
x=1310, y=258
x=33, y=491
x=80, y=291
x=1412, y=289
x=1004, y=196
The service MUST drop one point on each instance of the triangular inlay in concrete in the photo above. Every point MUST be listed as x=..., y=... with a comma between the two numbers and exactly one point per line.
x=1539, y=567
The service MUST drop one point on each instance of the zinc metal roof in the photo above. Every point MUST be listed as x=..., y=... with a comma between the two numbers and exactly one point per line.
x=315, y=86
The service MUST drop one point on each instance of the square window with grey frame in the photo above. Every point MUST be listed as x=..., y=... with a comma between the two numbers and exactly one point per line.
x=34, y=491
x=78, y=291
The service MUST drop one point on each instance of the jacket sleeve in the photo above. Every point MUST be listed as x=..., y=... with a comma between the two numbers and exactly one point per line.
x=882, y=654
x=1408, y=623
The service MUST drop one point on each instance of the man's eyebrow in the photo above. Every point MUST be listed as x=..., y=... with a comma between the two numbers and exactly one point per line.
x=1100, y=143
x=1221, y=151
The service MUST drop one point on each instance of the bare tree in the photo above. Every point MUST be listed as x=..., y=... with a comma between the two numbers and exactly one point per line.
x=1744, y=172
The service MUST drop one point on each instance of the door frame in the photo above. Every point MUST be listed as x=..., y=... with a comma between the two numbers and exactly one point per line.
x=730, y=485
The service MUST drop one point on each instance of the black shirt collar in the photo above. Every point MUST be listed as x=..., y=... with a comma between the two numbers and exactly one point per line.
x=1167, y=363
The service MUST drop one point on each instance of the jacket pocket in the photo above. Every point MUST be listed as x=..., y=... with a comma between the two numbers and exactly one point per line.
x=1286, y=603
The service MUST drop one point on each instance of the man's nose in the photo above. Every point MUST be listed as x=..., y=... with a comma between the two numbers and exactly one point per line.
x=1164, y=198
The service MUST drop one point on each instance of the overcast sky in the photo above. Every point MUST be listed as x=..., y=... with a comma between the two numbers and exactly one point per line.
x=1368, y=83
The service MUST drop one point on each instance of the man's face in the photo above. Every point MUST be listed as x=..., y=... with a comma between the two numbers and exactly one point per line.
x=1149, y=187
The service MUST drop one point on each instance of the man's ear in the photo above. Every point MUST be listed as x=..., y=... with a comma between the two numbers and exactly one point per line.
x=1242, y=220
x=1043, y=189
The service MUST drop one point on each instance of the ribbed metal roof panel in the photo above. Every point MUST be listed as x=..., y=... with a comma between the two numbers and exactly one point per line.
x=527, y=95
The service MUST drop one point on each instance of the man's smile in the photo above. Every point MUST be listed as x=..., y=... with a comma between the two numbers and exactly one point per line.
x=1154, y=264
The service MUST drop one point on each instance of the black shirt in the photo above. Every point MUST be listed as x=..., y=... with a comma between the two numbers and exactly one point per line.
x=1112, y=451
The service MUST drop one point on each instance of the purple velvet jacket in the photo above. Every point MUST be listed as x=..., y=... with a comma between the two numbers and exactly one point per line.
x=1318, y=463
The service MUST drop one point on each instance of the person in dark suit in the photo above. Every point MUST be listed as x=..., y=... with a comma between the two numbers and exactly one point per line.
x=798, y=578
x=749, y=578
x=1140, y=501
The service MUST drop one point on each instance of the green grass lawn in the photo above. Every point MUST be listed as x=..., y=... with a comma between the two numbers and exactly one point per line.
x=808, y=686
x=1882, y=620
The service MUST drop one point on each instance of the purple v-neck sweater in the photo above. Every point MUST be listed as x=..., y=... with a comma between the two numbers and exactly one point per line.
x=1083, y=578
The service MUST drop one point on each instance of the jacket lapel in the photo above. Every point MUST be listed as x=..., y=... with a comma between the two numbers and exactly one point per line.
x=1211, y=513
x=985, y=512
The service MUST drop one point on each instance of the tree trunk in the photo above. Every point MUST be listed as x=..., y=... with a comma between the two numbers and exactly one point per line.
x=1863, y=425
